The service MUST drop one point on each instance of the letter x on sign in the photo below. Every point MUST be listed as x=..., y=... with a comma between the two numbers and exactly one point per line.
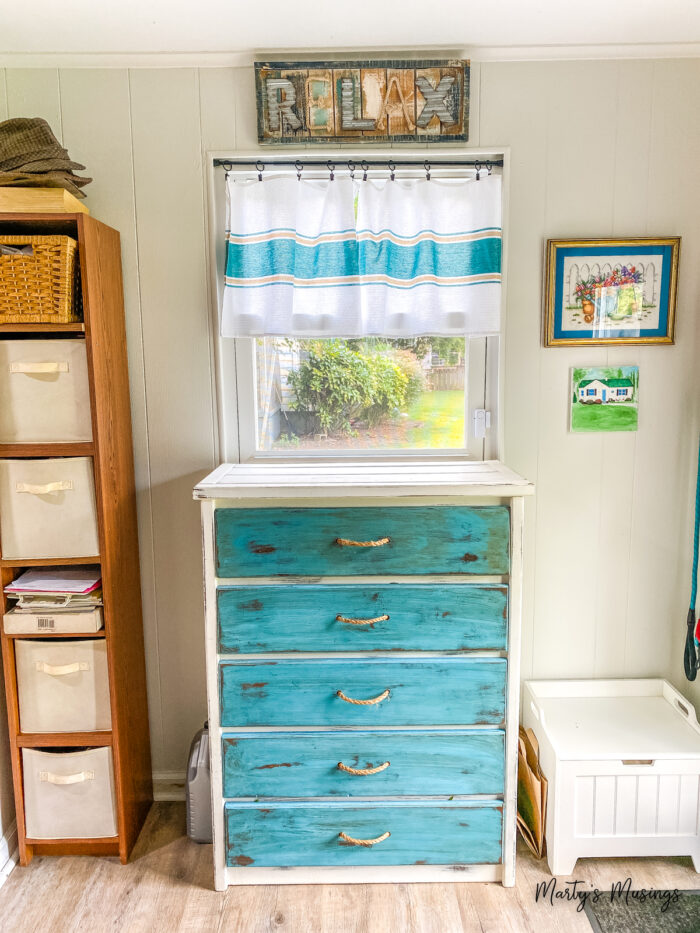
x=435, y=100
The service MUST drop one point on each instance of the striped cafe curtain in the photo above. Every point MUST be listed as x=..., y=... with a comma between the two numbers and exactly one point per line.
x=344, y=258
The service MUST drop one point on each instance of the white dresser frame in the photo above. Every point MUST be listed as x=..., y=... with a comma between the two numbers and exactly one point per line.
x=376, y=483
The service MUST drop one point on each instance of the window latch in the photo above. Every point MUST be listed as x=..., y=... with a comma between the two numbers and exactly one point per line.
x=481, y=422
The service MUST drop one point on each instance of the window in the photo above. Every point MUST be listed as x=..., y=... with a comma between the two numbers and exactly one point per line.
x=362, y=394
x=307, y=396
x=590, y=391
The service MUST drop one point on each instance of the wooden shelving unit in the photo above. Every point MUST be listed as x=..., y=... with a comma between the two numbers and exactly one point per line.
x=16, y=451
x=50, y=561
x=112, y=454
x=45, y=328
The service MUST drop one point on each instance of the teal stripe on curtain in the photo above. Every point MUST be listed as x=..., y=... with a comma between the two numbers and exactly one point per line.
x=349, y=259
x=286, y=257
x=443, y=260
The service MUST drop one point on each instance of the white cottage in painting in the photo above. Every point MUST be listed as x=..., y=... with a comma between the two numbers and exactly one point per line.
x=599, y=391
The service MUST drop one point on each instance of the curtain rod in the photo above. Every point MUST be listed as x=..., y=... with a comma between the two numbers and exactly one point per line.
x=359, y=163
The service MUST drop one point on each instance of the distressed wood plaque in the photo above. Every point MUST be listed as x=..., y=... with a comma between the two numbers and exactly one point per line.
x=397, y=101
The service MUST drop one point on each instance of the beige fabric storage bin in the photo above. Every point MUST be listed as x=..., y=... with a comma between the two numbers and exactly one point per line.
x=45, y=392
x=69, y=795
x=36, y=623
x=62, y=685
x=47, y=508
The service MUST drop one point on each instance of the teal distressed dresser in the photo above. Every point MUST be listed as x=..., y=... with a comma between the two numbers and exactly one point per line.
x=362, y=645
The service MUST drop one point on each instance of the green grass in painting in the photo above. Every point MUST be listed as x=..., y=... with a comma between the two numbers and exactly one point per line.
x=442, y=417
x=615, y=417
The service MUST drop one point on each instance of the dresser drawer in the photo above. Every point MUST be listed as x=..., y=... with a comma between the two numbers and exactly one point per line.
x=328, y=541
x=394, y=616
x=415, y=832
x=412, y=762
x=436, y=691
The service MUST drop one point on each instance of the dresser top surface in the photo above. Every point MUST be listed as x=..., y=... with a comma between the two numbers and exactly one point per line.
x=363, y=479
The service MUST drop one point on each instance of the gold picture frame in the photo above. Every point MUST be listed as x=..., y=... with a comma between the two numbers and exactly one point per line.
x=602, y=292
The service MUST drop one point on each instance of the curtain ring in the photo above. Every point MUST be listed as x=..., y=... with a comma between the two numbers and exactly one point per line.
x=392, y=171
x=331, y=169
x=477, y=166
x=261, y=168
x=365, y=169
x=351, y=169
x=227, y=167
x=427, y=170
x=299, y=166
x=489, y=167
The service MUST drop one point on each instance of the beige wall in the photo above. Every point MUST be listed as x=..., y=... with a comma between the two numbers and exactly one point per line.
x=598, y=149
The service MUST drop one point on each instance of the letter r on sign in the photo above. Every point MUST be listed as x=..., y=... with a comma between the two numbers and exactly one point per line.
x=281, y=97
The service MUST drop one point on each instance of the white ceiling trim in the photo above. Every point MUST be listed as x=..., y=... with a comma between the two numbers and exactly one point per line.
x=246, y=59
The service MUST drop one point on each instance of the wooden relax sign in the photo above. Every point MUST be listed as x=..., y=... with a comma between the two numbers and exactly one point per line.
x=399, y=101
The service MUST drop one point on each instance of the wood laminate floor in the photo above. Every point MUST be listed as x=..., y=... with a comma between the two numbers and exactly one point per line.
x=168, y=887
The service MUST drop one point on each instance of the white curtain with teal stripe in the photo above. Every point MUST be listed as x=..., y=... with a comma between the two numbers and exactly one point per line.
x=348, y=258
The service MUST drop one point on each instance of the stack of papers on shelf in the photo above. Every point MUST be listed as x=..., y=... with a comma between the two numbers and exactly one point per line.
x=78, y=589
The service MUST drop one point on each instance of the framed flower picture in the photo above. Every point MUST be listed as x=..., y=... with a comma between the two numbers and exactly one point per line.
x=610, y=291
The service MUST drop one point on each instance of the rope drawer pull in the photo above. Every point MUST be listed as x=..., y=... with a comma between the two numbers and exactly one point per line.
x=347, y=542
x=364, y=842
x=340, y=618
x=382, y=696
x=363, y=771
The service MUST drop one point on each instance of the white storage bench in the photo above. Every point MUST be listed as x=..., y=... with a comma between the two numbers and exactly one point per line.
x=622, y=758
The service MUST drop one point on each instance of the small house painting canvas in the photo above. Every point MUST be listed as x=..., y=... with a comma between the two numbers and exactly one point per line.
x=604, y=398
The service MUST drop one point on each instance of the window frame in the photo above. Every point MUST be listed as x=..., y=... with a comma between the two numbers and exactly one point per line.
x=233, y=374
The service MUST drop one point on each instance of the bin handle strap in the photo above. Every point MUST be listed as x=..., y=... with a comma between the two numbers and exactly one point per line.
x=59, y=670
x=78, y=778
x=35, y=368
x=41, y=490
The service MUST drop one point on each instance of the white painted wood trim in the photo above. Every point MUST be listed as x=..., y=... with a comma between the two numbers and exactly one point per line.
x=203, y=491
x=212, y=674
x=370, y=579
x=408, y=151
x=341, y=501
x=365, y=874
x=169, y=785
x=226, y=444
x=9, y=853
x=510, y=803
x=356, y=479
x=245, y=59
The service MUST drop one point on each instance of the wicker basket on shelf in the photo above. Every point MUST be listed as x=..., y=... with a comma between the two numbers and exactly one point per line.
x=39, y=288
